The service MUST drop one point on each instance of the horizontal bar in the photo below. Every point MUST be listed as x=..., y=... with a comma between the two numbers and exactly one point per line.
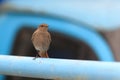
x=62, y=69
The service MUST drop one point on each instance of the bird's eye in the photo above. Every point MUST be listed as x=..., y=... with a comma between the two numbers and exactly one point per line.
x=42, y=26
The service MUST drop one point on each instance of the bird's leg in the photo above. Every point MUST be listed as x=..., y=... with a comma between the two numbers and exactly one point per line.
x=37, y=55
x=46, y=55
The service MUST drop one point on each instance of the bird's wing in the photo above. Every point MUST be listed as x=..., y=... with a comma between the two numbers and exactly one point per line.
x=49, y=37
x=33, y=36
x=45, y=40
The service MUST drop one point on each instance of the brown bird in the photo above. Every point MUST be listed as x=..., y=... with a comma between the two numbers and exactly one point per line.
x=41, y=40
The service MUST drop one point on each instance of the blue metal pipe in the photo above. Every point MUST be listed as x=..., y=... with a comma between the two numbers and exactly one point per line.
x=59, y=68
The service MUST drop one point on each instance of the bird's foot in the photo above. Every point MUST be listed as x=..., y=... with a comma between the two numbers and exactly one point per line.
x=36, y=57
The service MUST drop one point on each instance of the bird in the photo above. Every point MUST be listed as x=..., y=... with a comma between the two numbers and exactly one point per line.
x=41, y=40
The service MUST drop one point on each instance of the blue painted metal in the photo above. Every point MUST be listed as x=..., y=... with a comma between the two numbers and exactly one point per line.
x=2, y=1
x=2, y=77
x=100, y=13
x=13, y=22
x=92, y=15
x=61, y=69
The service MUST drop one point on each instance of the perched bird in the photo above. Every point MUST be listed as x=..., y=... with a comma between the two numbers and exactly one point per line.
x=41, y=40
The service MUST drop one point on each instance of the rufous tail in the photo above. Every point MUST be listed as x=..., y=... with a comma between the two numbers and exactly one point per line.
x=43, y=55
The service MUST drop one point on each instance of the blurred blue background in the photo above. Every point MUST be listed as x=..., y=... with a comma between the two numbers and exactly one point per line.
x=86, y=30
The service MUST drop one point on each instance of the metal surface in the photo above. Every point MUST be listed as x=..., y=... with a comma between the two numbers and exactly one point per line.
x=103, y=14
x=60, y=69
x=2, y=77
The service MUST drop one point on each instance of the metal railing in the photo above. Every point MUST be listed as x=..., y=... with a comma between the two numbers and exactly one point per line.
x=61, y=69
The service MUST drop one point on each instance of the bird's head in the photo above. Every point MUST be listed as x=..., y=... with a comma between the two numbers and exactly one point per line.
x=43, y=27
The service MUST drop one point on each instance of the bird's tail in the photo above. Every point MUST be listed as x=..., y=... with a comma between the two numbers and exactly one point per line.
x=44, y=54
